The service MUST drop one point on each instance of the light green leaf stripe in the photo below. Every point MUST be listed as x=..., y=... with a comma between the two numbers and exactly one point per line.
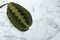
x=18, y=14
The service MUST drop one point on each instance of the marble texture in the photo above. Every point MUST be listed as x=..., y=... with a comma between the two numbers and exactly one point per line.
x=46, y=21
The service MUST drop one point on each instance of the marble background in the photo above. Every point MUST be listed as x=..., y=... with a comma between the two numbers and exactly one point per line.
x=46, y=21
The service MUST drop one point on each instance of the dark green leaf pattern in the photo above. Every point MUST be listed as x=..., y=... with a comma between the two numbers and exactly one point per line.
x=19, y=16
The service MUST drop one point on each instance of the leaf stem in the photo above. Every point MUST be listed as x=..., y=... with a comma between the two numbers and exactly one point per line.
x=3, y=5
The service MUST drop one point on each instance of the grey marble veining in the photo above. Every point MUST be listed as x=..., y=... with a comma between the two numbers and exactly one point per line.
x=46, y=21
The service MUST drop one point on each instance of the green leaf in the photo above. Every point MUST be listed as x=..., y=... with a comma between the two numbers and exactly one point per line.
x=19, y=16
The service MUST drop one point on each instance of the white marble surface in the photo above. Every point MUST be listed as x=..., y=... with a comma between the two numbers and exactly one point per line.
x=46, y=21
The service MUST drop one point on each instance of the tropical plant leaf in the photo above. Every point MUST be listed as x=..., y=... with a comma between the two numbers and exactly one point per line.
x=19, y=16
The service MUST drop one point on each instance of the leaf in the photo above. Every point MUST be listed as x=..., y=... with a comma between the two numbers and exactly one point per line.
x=19, y=16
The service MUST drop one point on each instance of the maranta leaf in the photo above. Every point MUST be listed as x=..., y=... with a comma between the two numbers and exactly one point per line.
x=19, y=16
